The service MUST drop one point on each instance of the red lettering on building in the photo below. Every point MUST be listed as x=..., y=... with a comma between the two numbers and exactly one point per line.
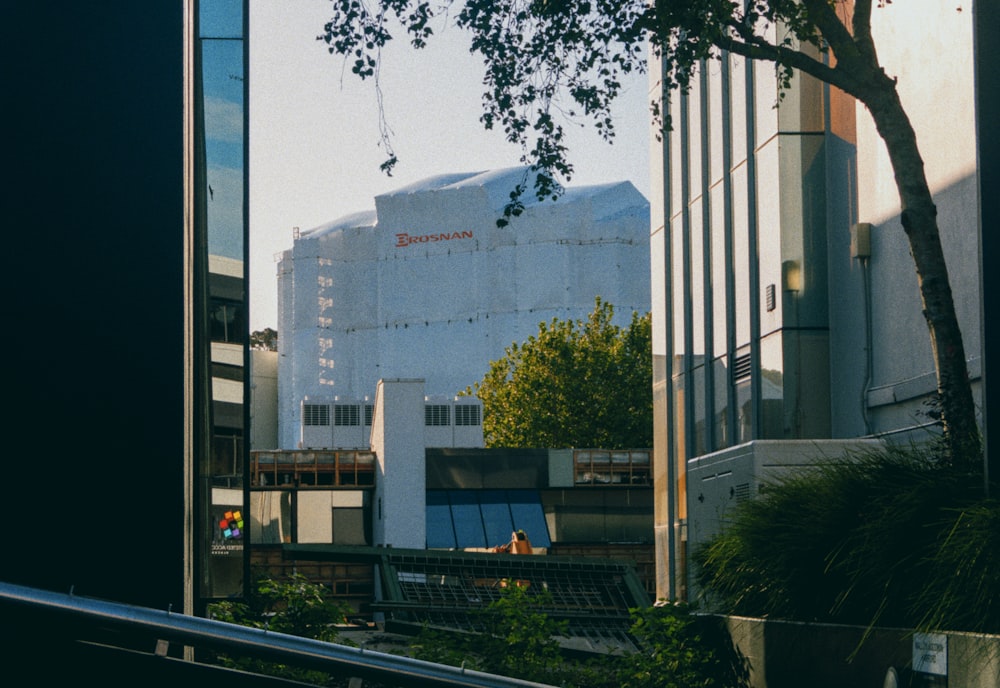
x=403, y=239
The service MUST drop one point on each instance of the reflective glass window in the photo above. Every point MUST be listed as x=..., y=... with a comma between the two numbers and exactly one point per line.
x=700, y=410
x=772, y=389
x=222, y=77
x=270, y=517
x=526, y=509
x=467, y=518
x=349, y=526
x=440, y=531
x=496, y=516
x=721, y=410
x=744, y=399
x=220, y=18
x=227, y=321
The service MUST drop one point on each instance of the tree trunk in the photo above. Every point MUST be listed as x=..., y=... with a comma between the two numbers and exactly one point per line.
x=919, y=219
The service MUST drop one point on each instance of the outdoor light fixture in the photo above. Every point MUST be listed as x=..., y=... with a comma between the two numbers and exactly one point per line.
x=791, y=275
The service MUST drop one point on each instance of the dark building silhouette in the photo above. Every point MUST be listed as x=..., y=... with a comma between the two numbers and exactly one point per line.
x=94, y=211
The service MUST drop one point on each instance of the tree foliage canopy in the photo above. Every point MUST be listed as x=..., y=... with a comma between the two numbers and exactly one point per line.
x=549, y=61
x=574, y=384
x=266, y=339
x=519, y=639
x=552, y=62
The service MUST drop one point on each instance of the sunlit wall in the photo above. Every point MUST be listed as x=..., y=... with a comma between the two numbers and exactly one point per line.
x=739, y=265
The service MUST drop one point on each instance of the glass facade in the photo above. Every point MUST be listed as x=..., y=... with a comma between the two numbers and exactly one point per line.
x=478, y=519
x=221, y=466
x=742, y=316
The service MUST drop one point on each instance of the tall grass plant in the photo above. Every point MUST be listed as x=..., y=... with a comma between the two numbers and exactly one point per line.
x=892, y=537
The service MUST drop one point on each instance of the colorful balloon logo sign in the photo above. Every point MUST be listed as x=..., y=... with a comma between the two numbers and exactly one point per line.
x=232, y=525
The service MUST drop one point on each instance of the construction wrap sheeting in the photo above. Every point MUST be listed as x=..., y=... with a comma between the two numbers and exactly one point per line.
x=428, y=287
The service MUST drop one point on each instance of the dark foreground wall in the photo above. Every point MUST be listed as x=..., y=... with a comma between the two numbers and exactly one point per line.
x=92, y=219
x=784, y=654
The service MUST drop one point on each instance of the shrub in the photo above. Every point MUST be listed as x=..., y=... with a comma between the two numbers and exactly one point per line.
x=518, y=639
x=675, y=648
x=293, y=605
x=891, y=537
x=680, y=650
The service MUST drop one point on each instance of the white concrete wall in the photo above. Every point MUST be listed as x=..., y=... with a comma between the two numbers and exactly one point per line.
x=287, y=430
x=263, y=399
x=397, y=439
x=928, y=46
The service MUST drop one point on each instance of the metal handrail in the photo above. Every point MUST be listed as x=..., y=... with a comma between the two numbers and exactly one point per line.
x=196, y=631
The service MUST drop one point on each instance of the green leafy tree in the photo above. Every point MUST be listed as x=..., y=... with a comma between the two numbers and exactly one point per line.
x=547, y=58
x=574, y=384
x=518, y=639
x=293, y=605
x=678, y=650
x=266, y=339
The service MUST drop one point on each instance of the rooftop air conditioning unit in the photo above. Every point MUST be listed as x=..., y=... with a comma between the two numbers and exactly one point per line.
x=315, y=424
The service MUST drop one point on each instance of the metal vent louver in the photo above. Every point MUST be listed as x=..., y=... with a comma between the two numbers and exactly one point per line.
x=346, y=415
x=437, y=414
x=741, y=368
x=315, y=414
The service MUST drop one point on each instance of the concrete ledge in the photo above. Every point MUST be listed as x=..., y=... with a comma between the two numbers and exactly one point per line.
x=786, y=654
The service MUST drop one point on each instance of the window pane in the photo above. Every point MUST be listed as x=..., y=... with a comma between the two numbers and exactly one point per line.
x=349, y=526
x=496, y=517
x=772, y=389
x=222, y=74
x=440, y=532
x=526, y=508
x=723, y=437
x=270, y=517
x=220, y=18
x=467, y=519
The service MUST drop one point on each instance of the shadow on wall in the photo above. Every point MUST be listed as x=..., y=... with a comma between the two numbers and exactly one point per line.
x=786, y=654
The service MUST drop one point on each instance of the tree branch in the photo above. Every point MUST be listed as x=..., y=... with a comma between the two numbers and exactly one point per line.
x=757, y=48
x=823, y=15
x=862, y=20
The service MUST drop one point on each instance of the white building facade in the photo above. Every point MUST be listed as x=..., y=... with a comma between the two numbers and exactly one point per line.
x=427, y=286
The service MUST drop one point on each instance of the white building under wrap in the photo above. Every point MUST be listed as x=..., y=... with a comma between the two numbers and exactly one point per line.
x=427, y=286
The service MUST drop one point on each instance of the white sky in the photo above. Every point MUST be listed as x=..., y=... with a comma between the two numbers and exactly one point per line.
x=314, y=138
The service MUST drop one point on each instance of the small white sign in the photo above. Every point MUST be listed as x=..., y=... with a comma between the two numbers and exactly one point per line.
x=930, y=653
